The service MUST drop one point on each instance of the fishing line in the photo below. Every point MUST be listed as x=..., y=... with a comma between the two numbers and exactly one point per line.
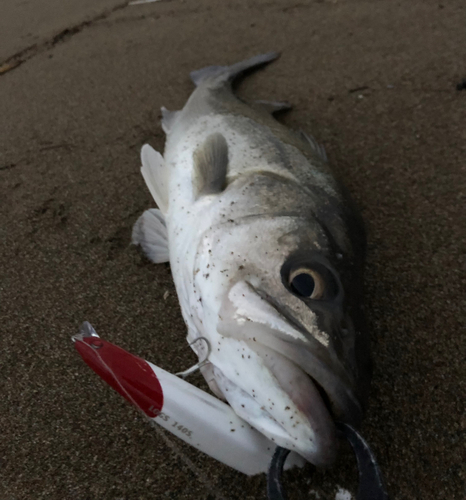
x=371, y=485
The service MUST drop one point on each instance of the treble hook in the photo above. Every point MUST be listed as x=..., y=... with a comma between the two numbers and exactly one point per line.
x=198, y=365
x=371, y=485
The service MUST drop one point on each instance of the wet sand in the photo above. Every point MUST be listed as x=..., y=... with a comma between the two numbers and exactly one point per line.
x=375, y=82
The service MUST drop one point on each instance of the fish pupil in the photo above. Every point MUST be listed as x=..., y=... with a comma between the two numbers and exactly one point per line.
x=303, y=284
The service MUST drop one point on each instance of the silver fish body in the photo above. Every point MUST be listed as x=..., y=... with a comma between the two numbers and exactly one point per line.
x=266, y=251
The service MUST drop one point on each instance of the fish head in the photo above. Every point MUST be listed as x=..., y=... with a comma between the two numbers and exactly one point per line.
x=289, y=352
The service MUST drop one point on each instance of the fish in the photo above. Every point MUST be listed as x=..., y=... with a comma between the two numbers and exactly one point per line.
x=266, y=248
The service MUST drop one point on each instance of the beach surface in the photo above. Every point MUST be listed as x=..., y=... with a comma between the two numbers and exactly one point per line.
x=81, y=86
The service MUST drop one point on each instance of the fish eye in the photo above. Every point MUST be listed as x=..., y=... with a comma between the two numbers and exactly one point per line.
x=307, y=283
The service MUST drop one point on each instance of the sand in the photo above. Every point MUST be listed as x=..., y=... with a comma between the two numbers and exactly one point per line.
x=375, y=82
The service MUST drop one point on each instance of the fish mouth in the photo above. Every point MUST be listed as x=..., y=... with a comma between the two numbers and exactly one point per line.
x=292, y=390
x=292, y=413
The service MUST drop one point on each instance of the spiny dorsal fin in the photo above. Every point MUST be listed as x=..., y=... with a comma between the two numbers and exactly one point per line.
x=150, y=232
x=221, y=74
x=273, y=106
x=210, y=166
x=318, y=148
x=156, y=176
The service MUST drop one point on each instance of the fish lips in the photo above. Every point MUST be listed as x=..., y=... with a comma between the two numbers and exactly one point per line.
x=318, y=387
x=288, y=408
x=248, y=315
x=328, y=374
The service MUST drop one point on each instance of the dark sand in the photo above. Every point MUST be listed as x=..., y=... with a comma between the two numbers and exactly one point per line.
x=73, y=117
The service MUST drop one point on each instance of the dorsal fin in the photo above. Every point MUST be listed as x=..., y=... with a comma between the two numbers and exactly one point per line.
x=221, y=74
x=318, y=148
x=156, y=176
x=273, y=107
x=210, y=166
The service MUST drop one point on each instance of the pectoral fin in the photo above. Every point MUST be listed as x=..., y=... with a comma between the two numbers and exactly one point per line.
x=150, y=232
x=210, y=166
x=155, y=174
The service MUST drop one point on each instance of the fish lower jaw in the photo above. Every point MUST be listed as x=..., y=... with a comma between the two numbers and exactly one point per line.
x=287, y=427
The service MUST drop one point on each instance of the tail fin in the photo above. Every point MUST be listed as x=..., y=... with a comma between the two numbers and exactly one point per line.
x=221, y=74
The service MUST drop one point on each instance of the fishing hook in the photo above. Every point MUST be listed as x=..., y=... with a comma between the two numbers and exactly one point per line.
x=371, y=486
x=198, y=365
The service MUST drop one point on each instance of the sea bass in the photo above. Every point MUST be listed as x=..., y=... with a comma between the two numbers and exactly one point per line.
x=266, y=251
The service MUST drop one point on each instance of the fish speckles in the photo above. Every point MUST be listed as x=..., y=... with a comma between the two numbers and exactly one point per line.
x=261, y=207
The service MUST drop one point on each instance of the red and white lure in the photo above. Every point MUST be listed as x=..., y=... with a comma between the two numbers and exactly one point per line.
x=204, y=421
x=196, y=417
